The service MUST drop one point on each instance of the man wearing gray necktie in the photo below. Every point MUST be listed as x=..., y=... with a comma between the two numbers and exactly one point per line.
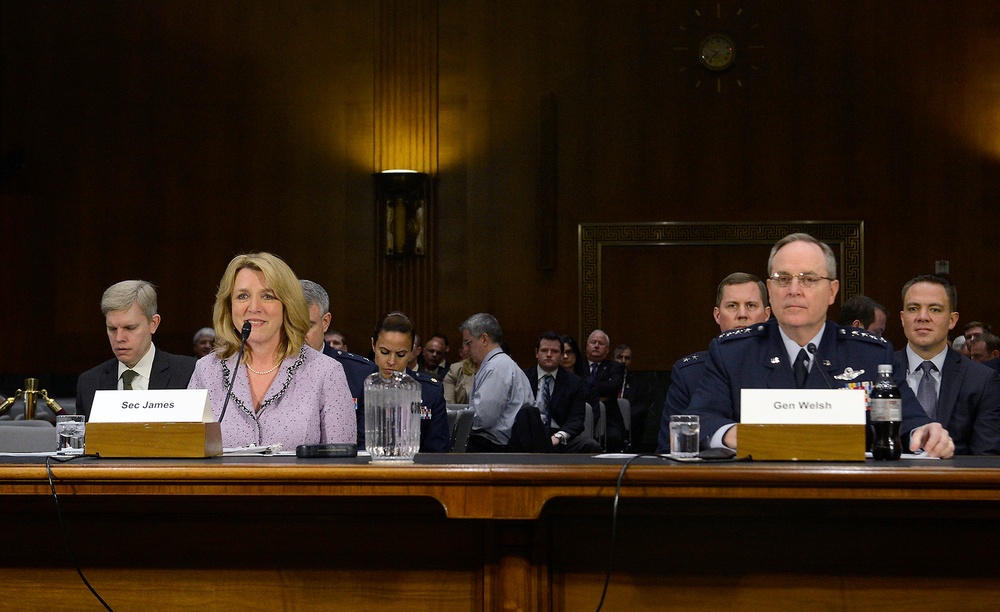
x=962, y=395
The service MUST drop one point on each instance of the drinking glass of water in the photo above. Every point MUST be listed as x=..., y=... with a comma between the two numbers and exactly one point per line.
x=685, y=429
x=71, y=430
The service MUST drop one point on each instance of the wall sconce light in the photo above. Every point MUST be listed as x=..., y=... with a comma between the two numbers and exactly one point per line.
x=402, y=197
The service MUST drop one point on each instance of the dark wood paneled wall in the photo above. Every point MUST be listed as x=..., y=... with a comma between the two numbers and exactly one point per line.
x=161, y=138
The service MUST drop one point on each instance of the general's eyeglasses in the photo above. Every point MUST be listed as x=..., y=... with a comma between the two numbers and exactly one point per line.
x=806, y=279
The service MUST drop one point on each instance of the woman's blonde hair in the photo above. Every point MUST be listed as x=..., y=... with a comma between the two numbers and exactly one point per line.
x=285, y=285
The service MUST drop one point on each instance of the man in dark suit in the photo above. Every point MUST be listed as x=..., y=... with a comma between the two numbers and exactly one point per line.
x=740, y=300
x=962, y=395
x=560, y=397
x=129, y=309
x=800, y=348
x=604, y=383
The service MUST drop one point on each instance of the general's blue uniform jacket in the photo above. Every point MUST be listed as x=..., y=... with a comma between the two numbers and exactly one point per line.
x=685, y=377
x=755, y=357
x=356, y=369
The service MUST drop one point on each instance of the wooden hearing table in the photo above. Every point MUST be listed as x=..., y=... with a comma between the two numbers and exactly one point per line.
x=500, y=532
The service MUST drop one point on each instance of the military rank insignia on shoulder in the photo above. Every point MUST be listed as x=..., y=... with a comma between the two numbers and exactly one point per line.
x=422, y=377
x=854, y=333
x=692, y=359
x=752, y=331
x=353, y=356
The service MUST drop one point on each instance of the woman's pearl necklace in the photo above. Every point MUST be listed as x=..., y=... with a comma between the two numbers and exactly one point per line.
x=263, y=373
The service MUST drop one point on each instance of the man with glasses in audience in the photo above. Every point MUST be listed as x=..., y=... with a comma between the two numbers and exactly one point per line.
x=800, y=348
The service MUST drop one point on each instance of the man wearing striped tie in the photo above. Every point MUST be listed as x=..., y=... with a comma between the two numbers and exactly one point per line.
x=962, y=395
x=560, y=397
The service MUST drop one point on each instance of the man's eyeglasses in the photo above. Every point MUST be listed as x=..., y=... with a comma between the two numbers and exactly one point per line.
x=806, y=279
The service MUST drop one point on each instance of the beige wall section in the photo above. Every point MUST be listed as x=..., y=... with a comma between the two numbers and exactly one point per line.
x=162, y=138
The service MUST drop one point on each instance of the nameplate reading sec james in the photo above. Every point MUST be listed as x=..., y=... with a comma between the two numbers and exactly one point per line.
x=154, y=406
x=803, y=406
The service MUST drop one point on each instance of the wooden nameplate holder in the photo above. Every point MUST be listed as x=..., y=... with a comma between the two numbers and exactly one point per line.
x=796, y=442
x=154, y=439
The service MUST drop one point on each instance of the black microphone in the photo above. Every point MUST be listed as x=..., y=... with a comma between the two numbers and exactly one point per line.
x=243, y=343
x=812, y=351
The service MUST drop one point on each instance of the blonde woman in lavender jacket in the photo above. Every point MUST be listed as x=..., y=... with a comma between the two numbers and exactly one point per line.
x=285, y=392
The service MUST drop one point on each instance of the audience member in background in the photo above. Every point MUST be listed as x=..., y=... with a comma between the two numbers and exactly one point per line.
x=560, y=397
x=435, y=357
x=605, y=381
x=572, y=358
x=633, y=392
x=335, y=340
x=458, y=380
x=500, y=388
x=962, y=395
x=740, y=300
x=392, y=343
x=356, y=367
x=958, y=345
x=130, y=318
x=973, y=330
x=781, y=353
x=203, y=342
x=286, y=392
x=418, y=348
x=985, y=348
x=864, y=312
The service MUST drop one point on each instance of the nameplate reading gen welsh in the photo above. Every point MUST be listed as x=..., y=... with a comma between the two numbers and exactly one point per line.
x=803, y=406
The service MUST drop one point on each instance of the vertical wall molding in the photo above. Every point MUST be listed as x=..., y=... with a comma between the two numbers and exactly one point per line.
x=406, y=137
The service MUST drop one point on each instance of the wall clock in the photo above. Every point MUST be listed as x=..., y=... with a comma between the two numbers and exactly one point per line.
x=718, y=47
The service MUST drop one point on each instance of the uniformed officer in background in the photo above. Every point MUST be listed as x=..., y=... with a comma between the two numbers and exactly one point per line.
x=741, y=300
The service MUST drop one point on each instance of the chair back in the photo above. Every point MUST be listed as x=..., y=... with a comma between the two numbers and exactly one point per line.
x=460, y=422
x=25, y=437
x=529, y=434
x=626, y=410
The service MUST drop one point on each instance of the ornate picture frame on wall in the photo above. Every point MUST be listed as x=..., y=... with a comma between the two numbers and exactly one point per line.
x=658, y=280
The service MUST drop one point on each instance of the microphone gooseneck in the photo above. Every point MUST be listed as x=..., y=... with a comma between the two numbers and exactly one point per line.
x=812, y=352
x=244, y=334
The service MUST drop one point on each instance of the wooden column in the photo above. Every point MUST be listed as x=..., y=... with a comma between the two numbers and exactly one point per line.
x=406, y=127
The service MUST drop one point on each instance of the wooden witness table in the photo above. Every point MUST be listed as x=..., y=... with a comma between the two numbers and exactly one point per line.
x=496, y=532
